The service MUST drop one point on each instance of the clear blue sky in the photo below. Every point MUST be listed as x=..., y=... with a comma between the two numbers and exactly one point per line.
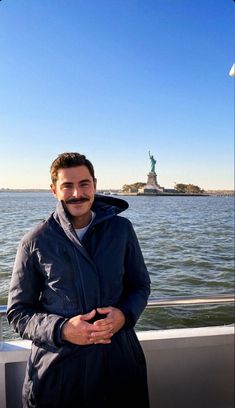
x=113, y=79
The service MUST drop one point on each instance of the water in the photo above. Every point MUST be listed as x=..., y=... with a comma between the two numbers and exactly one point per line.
x=187, y=243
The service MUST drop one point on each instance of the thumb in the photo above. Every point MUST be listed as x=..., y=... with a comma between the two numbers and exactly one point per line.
x=104, y=310
x=88, y=316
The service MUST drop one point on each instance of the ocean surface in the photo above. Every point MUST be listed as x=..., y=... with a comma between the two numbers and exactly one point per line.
x=187, y=243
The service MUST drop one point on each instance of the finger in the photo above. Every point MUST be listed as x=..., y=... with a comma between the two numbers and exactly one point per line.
x=103, y=323
x=102, y=327
x=104, y=310
x=101, y=335
x=88, y=316
x=102, y=341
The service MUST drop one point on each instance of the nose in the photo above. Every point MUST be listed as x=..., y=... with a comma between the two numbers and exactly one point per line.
x=76, y=192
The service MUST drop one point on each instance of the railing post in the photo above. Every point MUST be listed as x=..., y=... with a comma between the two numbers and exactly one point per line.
x=1, y=336
x=3, y=311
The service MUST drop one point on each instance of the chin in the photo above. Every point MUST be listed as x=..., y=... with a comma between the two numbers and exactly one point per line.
x=79, y=213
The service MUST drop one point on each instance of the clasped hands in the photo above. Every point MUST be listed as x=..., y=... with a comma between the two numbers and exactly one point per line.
x=78, y=330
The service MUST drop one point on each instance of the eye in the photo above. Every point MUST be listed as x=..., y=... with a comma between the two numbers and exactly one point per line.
x=85, y=184
x=66, y=186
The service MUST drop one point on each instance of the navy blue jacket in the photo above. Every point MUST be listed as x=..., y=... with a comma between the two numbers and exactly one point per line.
x=56, y=277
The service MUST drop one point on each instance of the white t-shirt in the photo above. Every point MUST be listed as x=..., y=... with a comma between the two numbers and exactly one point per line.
x=81, y=231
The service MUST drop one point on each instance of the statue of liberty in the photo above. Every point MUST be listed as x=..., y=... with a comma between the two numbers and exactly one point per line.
x=153, y=163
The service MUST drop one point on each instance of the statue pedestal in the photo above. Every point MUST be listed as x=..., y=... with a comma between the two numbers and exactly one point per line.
x=152, y=186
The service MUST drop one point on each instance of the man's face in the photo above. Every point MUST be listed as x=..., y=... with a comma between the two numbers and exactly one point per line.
x=76, y=187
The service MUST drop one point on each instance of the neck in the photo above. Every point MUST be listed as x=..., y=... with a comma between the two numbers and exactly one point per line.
x=83, y=221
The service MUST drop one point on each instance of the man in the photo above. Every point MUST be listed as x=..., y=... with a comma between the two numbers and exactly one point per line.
x=78, y=287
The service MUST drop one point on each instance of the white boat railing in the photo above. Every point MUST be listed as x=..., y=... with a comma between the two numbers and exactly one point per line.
x=189, y=300
x=164, y=302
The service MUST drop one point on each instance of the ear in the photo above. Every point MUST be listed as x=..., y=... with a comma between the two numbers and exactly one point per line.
x=95, y=183
x=53, y=190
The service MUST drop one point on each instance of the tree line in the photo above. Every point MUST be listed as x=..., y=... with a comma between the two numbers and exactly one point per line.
x=188, y=188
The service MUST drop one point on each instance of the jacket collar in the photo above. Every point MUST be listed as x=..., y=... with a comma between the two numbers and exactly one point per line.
x=104, y=207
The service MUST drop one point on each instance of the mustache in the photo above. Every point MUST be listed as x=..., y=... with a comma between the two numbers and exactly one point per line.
x=76, y=200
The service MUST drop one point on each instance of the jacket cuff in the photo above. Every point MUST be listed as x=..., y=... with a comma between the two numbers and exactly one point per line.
x=129, y=319
x=57, y=332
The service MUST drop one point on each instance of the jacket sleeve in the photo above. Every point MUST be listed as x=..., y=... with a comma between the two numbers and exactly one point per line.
x=136, y=281
x=23, y=310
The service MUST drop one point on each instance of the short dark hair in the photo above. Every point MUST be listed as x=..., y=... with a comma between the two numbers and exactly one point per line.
x=66, y=160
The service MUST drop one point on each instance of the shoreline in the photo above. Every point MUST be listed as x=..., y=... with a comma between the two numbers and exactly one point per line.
x=164, y=195
x=207, y=193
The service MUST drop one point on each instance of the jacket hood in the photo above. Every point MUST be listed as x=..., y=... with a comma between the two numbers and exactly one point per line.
x=104, y=207
x=108, y=204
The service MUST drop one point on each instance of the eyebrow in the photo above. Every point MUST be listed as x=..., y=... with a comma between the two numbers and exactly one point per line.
x=85, y=181
x=81, y=181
